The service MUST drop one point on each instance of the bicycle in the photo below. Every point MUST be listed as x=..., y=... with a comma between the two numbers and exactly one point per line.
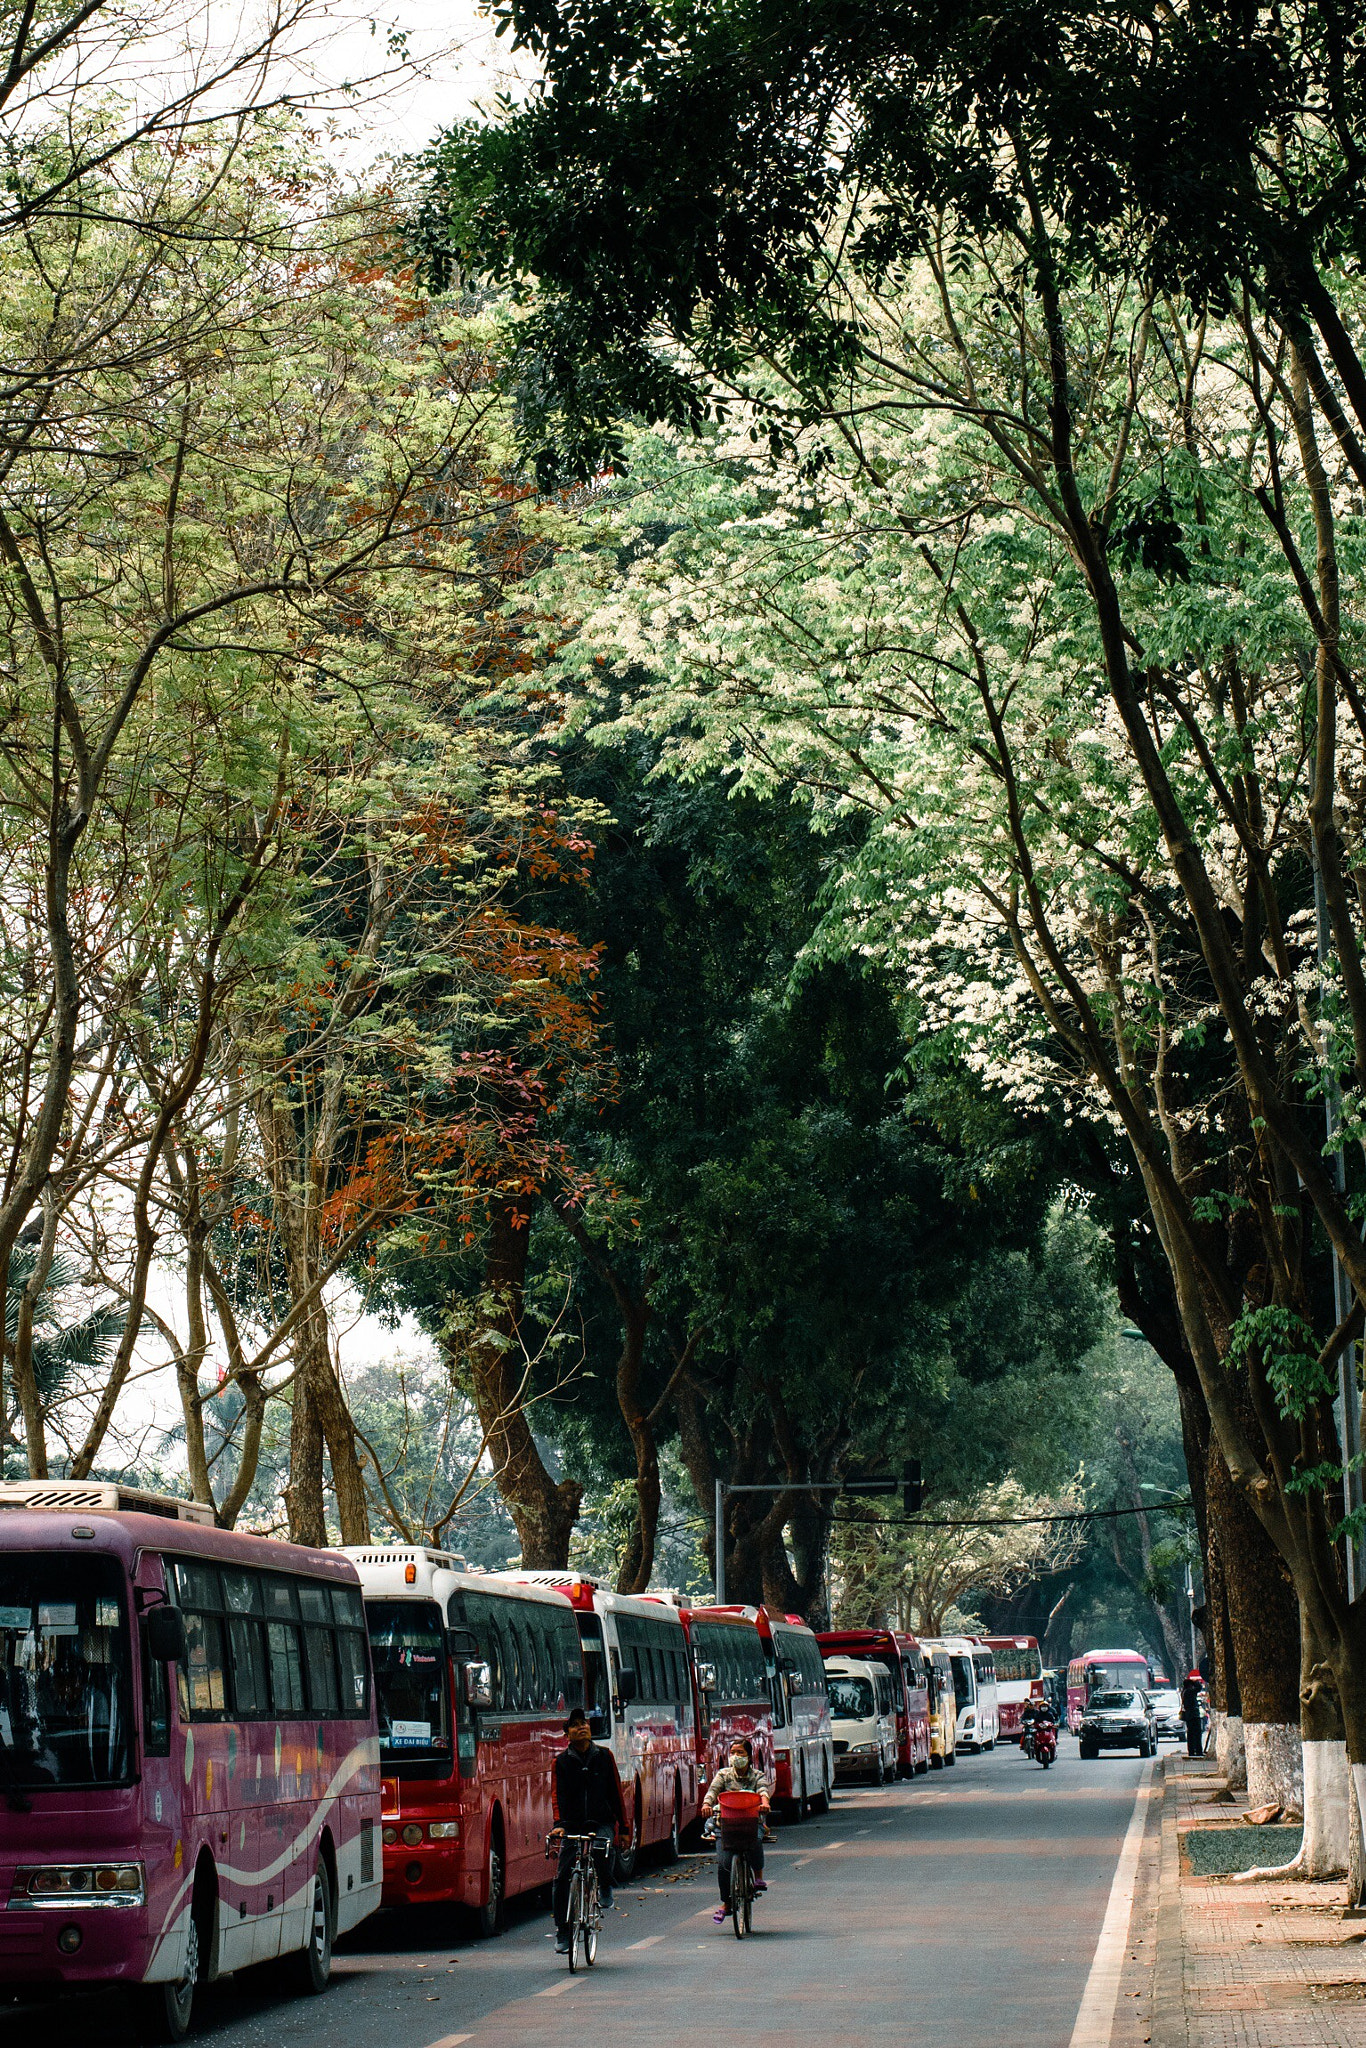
x=585, y=1902
x=740, y=1822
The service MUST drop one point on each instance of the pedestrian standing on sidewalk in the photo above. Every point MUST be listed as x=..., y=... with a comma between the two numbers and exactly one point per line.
x=1190, y=1714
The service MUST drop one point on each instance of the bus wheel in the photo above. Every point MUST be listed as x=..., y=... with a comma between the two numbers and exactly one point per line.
x=626, y=1858
x=312, y=1967
x=491, y=1912
x=820, y=1801
x=164, y=2010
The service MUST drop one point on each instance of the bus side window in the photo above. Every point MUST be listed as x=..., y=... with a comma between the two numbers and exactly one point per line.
x=286, y=1670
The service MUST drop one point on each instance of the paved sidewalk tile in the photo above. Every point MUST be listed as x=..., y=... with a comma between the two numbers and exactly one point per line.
x=1266, y=1965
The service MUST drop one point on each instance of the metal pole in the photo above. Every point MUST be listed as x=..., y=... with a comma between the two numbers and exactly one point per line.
x=1190, y=1610
x=1347, y=1407
x=720, y=1574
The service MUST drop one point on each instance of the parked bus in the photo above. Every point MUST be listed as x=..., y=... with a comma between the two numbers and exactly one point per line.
x=974, y=1688
x=473, y=1677
x=187, y=1741
x=1019, y=1677
x=1105, y=1668
x=638, y=1689
x=731, y=1677
x=943, y=1708
x=863, y=1716
x=803, y=1745
x=905, y=1662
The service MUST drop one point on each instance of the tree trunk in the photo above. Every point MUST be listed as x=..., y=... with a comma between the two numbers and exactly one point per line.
x=1264, y=1628
x=304, y=1487
x=543, y=1510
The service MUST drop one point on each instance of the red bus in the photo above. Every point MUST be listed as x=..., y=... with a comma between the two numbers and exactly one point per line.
x=474, y=1675
x=1103, y=1668
x=187, y=1730
x=1019, y=1677
x=906, y=1662
x=639, y=1695
x=803, y=1743
x=731, y=1676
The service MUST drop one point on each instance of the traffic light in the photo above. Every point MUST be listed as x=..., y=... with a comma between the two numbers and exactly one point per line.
x=912, y=1488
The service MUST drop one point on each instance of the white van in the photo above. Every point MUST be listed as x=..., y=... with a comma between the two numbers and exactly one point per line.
x=974, y=1686
x=862, y=1718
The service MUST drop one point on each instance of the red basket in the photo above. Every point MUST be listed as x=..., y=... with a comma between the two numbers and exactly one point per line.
x=740, y=1806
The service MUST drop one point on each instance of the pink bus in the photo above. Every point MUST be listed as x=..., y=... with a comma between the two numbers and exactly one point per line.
x=1103, y=1668
x=188, y=1754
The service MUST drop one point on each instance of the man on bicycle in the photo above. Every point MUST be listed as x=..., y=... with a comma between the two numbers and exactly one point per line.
x=739, y=1775
x=585, y=1794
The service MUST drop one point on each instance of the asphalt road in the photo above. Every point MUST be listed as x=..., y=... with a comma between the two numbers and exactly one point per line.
x=960, y=1909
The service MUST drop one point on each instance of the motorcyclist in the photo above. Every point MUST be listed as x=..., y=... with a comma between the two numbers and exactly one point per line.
x=740, y=1774
x=585, y=1793
x=1037, y=1714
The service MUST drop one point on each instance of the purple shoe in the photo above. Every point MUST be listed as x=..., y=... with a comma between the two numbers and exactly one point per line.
x=721, y=1915
x=760, y=1884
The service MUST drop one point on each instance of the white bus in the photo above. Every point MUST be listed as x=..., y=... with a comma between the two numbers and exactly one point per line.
x=1019, y=1679
x=974, y=1687
x=638, y=1693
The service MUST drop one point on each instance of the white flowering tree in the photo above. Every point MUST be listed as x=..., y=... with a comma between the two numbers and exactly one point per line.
x=1055, y=601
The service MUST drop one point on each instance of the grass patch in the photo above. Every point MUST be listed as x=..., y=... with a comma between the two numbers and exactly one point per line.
x=1219, y=1852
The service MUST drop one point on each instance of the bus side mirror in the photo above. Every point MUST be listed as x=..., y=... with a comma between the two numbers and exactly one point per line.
x=167, y=1642
x=706, y=1678
x=794, y=1683
x=478, y=1685
x=626, y=1683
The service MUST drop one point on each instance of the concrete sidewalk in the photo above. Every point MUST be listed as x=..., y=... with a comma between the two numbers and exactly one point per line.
x=1235, y=1965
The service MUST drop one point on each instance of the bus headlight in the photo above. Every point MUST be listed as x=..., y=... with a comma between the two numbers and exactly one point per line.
x=444, y=1830
x=412, y=1834
x=84, y=1884
x=389, y=1836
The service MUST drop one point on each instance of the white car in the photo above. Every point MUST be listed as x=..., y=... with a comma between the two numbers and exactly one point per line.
x=862, y=1719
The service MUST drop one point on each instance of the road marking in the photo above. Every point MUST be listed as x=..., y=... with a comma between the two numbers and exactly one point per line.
x=450, y=2041
x=554, y=1990
x=648, y=1942
x=1096, y=2018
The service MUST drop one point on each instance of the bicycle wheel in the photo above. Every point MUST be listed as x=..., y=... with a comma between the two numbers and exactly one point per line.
x=575, y=1918
x=592, y=1920
x=739, y=1894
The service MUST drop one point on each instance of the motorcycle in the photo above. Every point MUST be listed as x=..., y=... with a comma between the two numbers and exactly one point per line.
x=1040, y=1741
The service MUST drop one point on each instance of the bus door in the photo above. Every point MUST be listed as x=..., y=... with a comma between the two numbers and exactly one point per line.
x=163, y=1770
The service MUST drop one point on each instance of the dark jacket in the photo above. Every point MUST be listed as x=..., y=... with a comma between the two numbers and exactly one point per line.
x=586, y=1791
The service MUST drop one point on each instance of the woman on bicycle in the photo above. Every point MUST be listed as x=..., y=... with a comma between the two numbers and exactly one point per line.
x=739, y=1775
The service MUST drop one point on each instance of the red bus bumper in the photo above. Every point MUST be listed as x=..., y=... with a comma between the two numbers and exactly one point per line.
x=115, y=1947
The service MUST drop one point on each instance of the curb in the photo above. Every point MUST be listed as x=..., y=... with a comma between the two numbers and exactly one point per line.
x=1170, y=2022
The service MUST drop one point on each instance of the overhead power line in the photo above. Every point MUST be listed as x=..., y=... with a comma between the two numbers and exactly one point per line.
x=1183, y=1507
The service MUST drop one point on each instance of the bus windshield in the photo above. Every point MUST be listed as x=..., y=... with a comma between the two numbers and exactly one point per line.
x=1124, y=1671
x=412, y=1697
x=851, y=1699
x=597, y=1698
x=64, y=1694
x=962, y=1681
